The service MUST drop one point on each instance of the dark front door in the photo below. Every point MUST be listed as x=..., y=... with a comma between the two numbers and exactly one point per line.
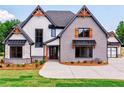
x=53, y=52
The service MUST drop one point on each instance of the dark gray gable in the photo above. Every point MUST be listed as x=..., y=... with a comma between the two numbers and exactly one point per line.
x=31, y=15
x=60, y=18
x=91, y=15
x=22, y=32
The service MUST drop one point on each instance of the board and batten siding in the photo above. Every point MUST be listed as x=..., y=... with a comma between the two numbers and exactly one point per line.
x=112, y=39
x=17, y=37
x=68, y=53
x=38, y=23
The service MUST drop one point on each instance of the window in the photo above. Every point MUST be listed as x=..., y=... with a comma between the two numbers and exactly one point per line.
x=53, y=32
x=38, y=37
x=84, y=52
x=84, y=32
x=15, y=52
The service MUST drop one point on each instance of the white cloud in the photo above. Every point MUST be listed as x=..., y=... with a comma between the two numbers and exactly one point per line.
x=5, y=15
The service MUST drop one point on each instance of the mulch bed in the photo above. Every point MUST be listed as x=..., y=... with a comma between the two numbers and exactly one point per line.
x=82, y=64
x=32, y=66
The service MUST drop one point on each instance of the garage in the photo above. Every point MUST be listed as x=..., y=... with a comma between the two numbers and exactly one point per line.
x=112, y=52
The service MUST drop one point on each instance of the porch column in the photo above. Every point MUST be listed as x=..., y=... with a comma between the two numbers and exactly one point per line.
x=46, y=58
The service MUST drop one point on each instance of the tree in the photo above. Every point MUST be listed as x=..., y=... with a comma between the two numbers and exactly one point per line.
x=120, y=31
x=5, y=29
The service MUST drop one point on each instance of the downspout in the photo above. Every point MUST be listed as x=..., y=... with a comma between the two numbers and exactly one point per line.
x=4, y=52
x=43, y=51
x=59, y=50
x=30, y=54
x=107, y=49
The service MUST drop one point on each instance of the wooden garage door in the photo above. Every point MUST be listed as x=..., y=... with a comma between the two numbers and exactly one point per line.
x=112, y=52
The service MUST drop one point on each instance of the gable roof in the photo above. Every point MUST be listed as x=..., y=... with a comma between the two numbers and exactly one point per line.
x=22, y=32
x=60, y=18
x=31, y=15
x=91, y=15
x=111, y=34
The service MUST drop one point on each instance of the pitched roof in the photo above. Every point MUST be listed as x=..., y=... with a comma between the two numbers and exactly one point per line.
x=60, y=18
x=111, y=34
x=53, y=39
x=84, y=42
x=91, y=15
x=22, y=32
x=31, y=15
x=16, y=42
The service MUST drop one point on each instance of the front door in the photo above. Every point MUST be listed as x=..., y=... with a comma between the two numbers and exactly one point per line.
x=53, y=52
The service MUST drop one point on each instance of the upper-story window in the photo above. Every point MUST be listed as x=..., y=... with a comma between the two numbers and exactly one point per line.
x=53, y=32
x=84, y=32
x=38, y=37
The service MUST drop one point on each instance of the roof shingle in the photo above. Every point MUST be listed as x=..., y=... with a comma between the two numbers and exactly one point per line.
x=60, y=18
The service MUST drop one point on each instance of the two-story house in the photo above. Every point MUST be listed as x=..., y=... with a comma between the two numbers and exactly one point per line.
x=60, y=35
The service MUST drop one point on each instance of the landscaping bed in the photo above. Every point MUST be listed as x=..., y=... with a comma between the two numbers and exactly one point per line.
x=34, y=65
x=86, y=63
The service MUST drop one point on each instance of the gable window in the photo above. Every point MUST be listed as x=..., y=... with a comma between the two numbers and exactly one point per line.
x=38, y=37
x=84, y=52
x=15, y=52
x=53, y=32
x=83, y=32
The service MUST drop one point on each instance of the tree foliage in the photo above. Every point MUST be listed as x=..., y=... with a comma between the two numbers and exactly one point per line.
x=120, y=31
x=5, y=29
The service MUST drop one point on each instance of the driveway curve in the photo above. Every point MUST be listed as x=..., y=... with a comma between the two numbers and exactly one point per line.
x=114, y=70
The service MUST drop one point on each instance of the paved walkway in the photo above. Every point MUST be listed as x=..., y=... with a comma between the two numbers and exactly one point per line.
x=115, y=70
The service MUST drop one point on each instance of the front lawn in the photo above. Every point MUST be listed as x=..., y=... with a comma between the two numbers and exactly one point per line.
x=18, y=78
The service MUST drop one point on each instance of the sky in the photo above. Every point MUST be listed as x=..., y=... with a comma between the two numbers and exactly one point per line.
x=108, y=15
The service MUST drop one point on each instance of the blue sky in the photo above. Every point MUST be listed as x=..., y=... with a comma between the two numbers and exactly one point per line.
x=109, y=16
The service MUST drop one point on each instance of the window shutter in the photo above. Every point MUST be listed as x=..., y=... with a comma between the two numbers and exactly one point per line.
x=76, y=32
x=90, y=33
x=72, y=45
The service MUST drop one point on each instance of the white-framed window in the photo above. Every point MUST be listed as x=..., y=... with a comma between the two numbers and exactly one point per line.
x=53, y=32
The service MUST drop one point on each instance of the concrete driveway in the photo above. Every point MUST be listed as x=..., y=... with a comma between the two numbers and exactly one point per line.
x=114, y=70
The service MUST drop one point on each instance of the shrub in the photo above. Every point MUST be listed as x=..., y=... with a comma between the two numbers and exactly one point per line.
x=2, y=61
x=23, y=65
x=104, y=62
x=42, y=62
x=18, y=65
x=85, y=62
x=36, y=61
x=72, y=62
x=0, y=66
x=36, y=65
x=100, y=62
x=7, y=65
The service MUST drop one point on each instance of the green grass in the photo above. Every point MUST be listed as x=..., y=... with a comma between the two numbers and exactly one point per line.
x=31, y=78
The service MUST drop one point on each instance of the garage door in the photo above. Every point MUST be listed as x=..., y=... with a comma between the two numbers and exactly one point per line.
x=112, y=52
